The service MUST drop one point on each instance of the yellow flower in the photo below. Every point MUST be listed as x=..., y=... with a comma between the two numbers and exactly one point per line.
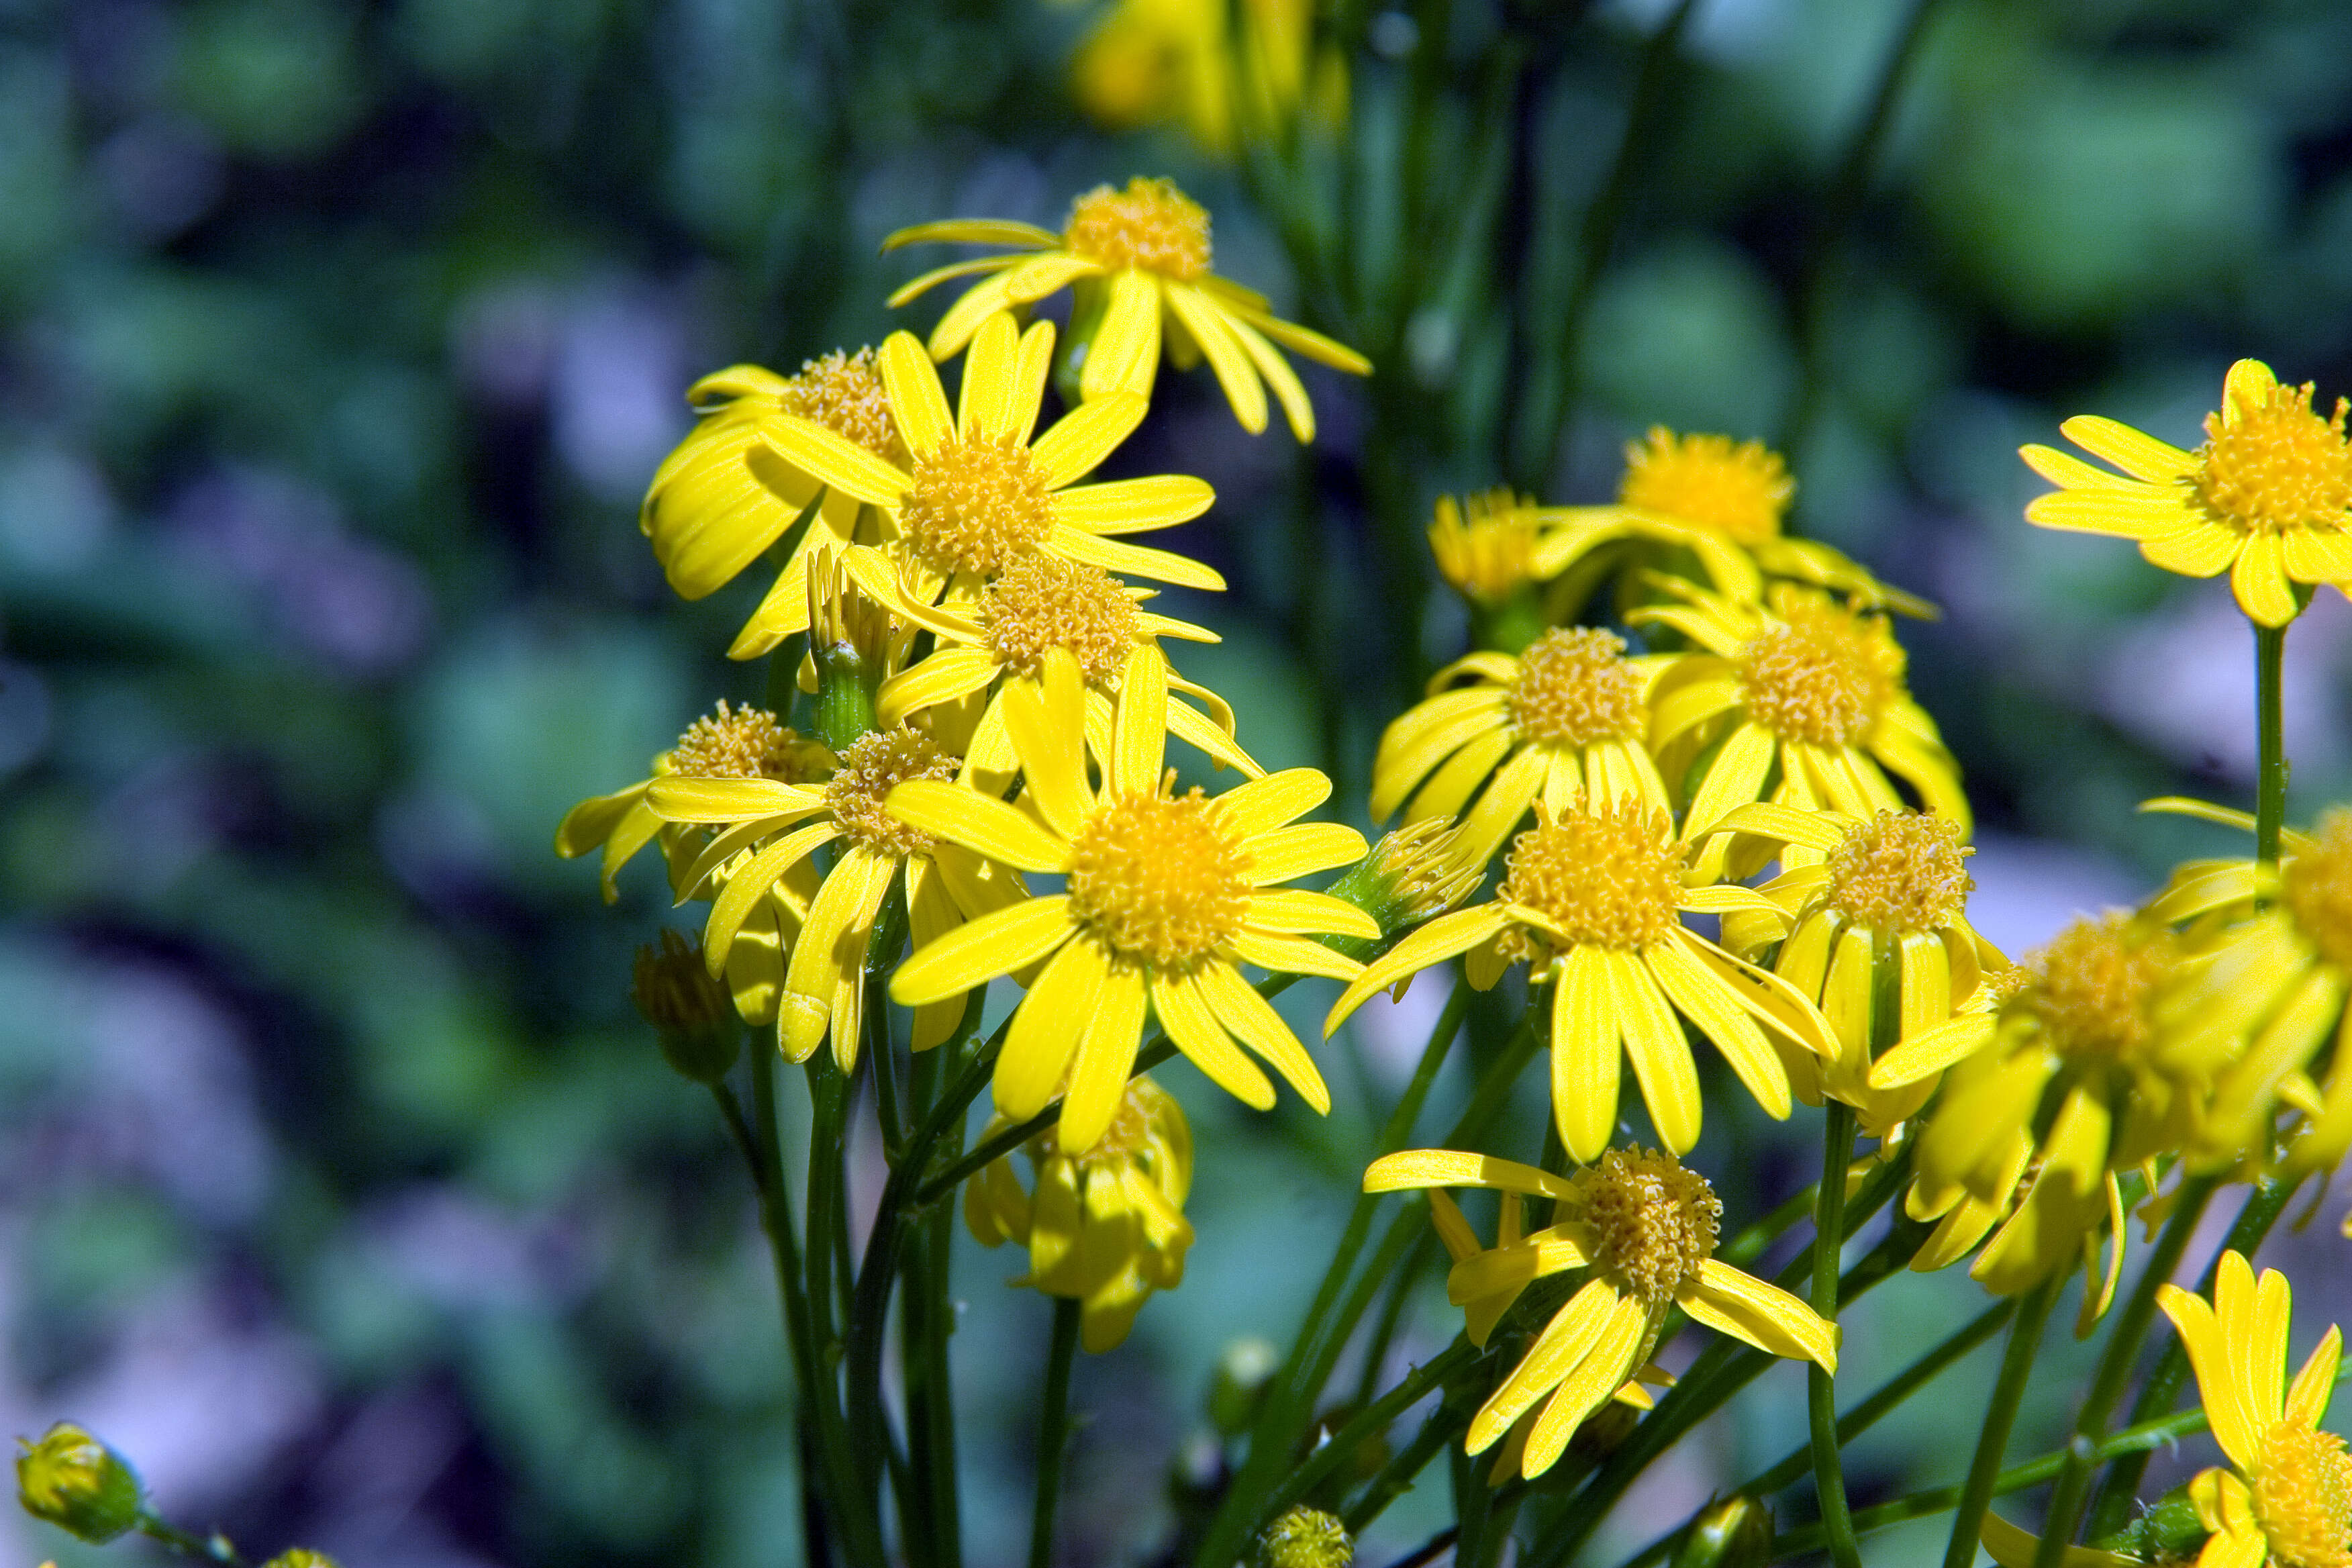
x=1562, y=722
x=1864, y=902
x=1805, y=690
x=1103, y=1228
x=1152, y=60
x=724, y=496
x=74, y=1482
x=1040, y=604
x=1140, y=260
x=1722, y=502
x=1638, y=1231
x=2286, y=1498
x=976, y=494
x=1591, y=899
x=2267, y=498
x=1166, y=893
x=1486, y=545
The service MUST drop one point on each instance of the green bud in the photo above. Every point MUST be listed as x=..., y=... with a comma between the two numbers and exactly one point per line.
x=691, y=1013
x=300, y=1557
x=1238, y=1387
x=77, y=1483
x=1304, y=1538
x=1409, y=877
x=846, y=685
x=1734, y=1533
x=2170, y=1532
x=854, y=644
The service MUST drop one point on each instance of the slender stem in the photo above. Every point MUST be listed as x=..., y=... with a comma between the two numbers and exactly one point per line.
x=1054, y=1430
x=1368, y=1422
x=1396, y=1478
x=1750, y=1242
x=1821, y=1384
x=2115, y=1369
x=2269, y=792
x=2113, y=1503
x=213, y=1548
x=2000, y=1415
x=1384, y=1326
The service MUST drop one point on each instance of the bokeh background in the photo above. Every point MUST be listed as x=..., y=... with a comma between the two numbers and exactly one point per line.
x=339, y=1187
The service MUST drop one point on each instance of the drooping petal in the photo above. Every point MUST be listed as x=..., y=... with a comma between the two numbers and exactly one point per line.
x=1046, y=1027
x=1256, y=1024
x=1193, y=1025
x=1114, y=1033
x=1235, y=373
x=1756, y=1310
x=1433, y=943
x=1124, y=353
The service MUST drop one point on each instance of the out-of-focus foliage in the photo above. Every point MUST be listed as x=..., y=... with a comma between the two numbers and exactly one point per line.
x=339, y=1185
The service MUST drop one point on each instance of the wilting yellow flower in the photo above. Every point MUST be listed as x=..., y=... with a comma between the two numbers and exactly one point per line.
x=1103, y=1228
x=2286, y=1498
x=1639, y=1230
x=1864, y=900
x=1039, y=604
x=977, y=494
x=1807, y=692
x=1591, y=901
x=1562, y=722
x=1139, y=259
x=2267, y=498
x=1166, y=893
x=1722, y=502
x=724, y=496
x=1152, y=60
x=1486, y=545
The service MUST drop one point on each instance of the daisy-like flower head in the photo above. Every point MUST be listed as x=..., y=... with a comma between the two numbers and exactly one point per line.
x=2285, y=1499
x=1723, y=502
x=1104, y=1226
x=1635, y=1236
x=1165, y=894
x=1040, y=604
x=1863, y=900
x=724, y=496
x=1140, y=260
x=976, y=494
x=1153, y=61
x=1486, y=545
x=1562, y=722
x=2267, y=498
x=1801, y=702
x=1591, y=901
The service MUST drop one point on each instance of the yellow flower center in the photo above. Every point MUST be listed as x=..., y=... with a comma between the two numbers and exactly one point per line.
x=1654, y=1222
x=1046, y=602
x=2277, y=465
x=1820, y=673
x=876, y=763
x=1574, y=687
x=1159, y=879
x=1900, y=871
x=1608, y=879
x=1740, y=490
x=2303, y=1496
x=976, y=507
x=2317, y=887
x=2092, y=986
x=1151, y=225
x=744, y=744
x=843, y=392
x=1484, y=544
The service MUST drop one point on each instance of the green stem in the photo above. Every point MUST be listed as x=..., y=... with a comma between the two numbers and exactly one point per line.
x=1750, y=1242
x=1384, y=1326
x=2115, y=1369
x=1366, y=1423
x=2000, y=1415
x=2270, y=779
x=1054, y=1430
x=1396, y=1478
x=213, y=1548
x=1821, y=1384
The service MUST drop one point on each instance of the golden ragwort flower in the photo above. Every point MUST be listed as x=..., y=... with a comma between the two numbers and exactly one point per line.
x=2267, y=498
x=1153, y=61
x=1165, y=894
x=1140, y=259
x=1591, y=899
x=1638, y=1231
x=1486, y=545
x=1105, y=1226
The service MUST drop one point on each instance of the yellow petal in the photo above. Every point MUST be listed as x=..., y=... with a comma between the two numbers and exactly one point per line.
x=1114, y=1033
x=1566, y=1339
x=978, y=822
x=979, y=951
x=1133, y=506
x=1194, y=1027
x=918, y=402
x=1078, y=441
x=1045, y=1029
x=1584, y=1056
x=1290, y=955
x=2202, y=550
x=975, y=231
x=1294, y=912
x=1414, y=1168
x=1124, y=353
x=1256, y=1024
x=983, y=402
x=1235, y=373
x=2258, y=578
x=1661, y=1056
x=1046, y=722
x=1132, y=559
x=1771, y=1318
x=1139, y=735
x=915, y=287
x=1264, y=804
x=2136, y=452
x=1295, y=851
x=1433, y=943
x=834, y=460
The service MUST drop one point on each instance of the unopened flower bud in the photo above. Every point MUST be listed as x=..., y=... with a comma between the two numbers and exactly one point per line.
x=852, y=644
x=2170, y=1532
x=1304, y=1538
x=1238, y=1388
x=1734, y=1533
x=1409, y=877
x=690, y=1012
x=300, y=1557
x=77, y=1483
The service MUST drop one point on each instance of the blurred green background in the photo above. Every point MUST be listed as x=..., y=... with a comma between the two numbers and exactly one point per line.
x=339, y=1187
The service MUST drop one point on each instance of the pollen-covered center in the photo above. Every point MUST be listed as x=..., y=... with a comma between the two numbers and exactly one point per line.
x=1151, y=225
x=1159, y=879
x=976, y=507
x=2094, y=985
x=1575, y=687
x=1901, y=871
x=2303, y=1496
x=1655, y=1221
x=1820, y=673
x=2317, y=887
x=1741, y=491
x=2277, y=464
x=876, y=763
x=1046, y=602
x=843, y=392
x=744, y=744
x=1608, y=879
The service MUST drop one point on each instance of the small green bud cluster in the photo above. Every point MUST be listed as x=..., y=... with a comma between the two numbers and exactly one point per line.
x=1304, y=1538
x=690, y=1012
